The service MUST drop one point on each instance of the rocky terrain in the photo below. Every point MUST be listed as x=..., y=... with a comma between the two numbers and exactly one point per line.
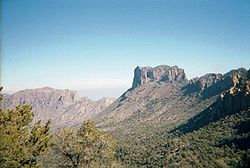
x=162, y=98
x=63, y=107
x=161, y=73
x=234, y=100
x=164, y=119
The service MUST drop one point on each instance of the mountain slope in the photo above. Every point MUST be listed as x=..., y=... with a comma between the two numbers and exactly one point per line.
x=153, y=111
x=63, y=107
x=162, y=97
x=215, y=136
x=163, y=120
x=232, y=101
x=82, y=109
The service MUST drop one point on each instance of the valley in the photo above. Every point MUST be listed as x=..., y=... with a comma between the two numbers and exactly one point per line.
x=163, y=120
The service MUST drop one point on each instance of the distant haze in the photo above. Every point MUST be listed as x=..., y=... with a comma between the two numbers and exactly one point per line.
x=97, y=94
x=95, y=44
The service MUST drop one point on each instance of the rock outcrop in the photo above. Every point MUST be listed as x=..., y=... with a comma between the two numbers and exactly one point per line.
x=233, y=100
x=162, y=73
x=208, y=85
x=237, y=98
x=162, y=95
x=206, y=81
x=212, y=84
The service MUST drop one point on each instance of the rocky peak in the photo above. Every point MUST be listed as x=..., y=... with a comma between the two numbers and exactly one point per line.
x=212, y=84
x=205, y=81
x=237, y=98
x=162, y=73
x=42, y=97
x=63, y=107
x=241, y=81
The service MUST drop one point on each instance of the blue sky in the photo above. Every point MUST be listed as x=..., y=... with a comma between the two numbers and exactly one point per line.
x=92, y=45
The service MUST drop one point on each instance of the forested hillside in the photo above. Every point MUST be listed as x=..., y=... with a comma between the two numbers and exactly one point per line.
x=164, y=120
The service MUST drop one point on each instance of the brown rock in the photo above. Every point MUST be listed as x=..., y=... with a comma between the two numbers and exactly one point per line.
x=63, y=107
x=162, y=73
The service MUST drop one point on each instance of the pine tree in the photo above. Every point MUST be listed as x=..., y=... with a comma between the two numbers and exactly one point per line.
x=83, y=147
x=20, y=144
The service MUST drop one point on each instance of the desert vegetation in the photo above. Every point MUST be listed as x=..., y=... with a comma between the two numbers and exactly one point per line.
x=23, y=144
x=172, y=131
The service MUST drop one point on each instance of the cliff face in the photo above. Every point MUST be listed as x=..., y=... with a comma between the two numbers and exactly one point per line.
x=156, y=97
x=237, y=98
x=206, y=81
x=163, y=96
x=208, y=85
x=162, y=73
x=213, y=84
x=234, y=100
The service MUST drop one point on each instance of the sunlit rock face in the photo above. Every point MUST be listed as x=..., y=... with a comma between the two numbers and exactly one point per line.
x=162, y=73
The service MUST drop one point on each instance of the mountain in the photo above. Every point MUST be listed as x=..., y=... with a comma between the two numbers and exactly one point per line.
x=162, y=96
x=63, y=107
x=82, y=109
x=234, y=100
x=212, y=84
x=163, y=101
x=164, y=119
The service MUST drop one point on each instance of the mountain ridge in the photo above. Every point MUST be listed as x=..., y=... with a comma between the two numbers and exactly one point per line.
x=184, y=128
x=55, y=104
x=155, y=95
x=160, y=101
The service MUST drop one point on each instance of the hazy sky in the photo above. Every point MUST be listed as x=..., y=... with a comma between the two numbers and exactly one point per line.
x=94, y=45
